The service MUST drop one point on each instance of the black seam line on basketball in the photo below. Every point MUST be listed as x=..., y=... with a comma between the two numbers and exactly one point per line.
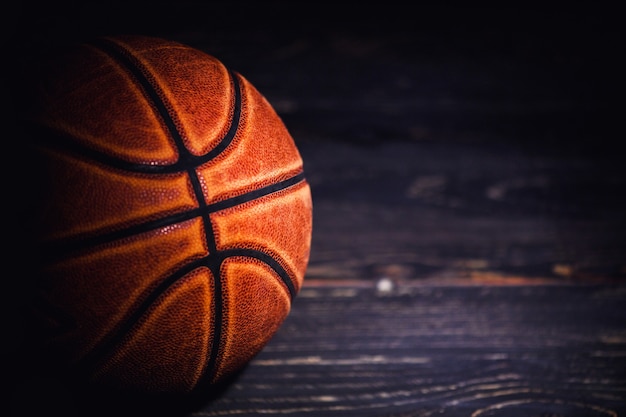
x=186, y=159
x=57, y=249
x=203, y=210
x=214, y=263
x=64, y=143
x=139, y=72
x=215, y=266
x=267, y=259
x=104, y=347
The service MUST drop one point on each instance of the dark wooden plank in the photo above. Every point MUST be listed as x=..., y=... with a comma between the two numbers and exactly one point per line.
x=408, y=350
x=474, y=212
x=440, y=351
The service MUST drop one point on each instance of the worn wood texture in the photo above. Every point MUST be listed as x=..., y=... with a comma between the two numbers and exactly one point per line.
x=447, y=212
x=410, y=350
x=440, y=351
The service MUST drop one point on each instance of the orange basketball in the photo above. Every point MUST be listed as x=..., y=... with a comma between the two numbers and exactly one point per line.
x=177, y=221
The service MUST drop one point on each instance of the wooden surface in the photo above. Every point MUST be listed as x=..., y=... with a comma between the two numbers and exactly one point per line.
x=458, y=213
x=440, y=351
x=468, y=253
x=413, y=350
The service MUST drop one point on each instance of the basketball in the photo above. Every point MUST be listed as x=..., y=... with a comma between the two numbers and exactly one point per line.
x=173, y=220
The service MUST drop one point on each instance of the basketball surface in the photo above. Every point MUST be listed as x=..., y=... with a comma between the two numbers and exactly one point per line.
x=175, y=220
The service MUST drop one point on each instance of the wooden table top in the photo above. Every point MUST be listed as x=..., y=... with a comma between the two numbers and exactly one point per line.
x=440, y=351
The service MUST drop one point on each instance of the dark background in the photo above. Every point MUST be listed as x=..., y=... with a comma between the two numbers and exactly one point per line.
x=445, y=146
x=543, y=77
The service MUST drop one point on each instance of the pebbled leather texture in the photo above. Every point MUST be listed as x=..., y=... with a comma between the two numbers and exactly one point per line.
x=177, y=221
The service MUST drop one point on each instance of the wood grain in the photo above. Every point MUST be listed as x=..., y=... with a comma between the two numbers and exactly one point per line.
x=464, y=212
x=440, y=351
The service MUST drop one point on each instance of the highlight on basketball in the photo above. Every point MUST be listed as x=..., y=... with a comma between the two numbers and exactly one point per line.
x=175, y=220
